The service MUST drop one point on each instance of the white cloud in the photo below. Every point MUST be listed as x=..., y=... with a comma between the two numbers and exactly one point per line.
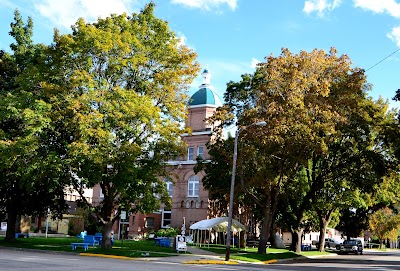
x=254, y=62
x=320, y=6
x=182, y=40
x=380, y=6
x=395, y=35
x=66, y=13
x=206, y=4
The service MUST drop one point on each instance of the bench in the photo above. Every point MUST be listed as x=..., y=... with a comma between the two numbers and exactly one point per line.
x=157, y=241
x=84, y=245
x=91, y=240
x=98, y=236
x=165, y=242
x=254, y=243
x=21, y=235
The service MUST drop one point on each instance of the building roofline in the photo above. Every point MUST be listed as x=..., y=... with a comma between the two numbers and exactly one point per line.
x=197, y=133
x=177, y=162
x=204, y=105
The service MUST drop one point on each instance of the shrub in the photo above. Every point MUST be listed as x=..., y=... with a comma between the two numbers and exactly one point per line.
x=169, y=232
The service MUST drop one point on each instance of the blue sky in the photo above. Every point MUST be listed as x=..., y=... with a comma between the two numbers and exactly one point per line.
x=231, y=36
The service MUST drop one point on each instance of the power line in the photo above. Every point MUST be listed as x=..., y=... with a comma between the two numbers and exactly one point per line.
x=382, y=60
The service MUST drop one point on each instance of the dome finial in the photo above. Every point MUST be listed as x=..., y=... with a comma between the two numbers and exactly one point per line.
x=206, y=76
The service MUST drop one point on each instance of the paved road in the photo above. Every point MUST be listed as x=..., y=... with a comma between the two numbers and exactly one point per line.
x=14, y=260
x=370, y=260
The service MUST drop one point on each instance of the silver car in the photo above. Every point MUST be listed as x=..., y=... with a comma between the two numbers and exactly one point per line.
x=329, y=243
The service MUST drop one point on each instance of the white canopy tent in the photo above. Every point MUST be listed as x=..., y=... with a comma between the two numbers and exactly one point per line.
x=218, y=224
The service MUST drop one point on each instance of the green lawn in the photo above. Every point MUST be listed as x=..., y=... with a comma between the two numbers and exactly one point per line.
x=250, y=254
x=146, y=248
x=127, y=248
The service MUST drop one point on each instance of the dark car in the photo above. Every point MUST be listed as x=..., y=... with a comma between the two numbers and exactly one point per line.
x=352, y=246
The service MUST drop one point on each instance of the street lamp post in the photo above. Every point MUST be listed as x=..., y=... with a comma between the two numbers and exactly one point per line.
x=232, y=191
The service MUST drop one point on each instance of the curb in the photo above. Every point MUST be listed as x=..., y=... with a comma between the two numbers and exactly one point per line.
x=107, y=256
x=210, y=262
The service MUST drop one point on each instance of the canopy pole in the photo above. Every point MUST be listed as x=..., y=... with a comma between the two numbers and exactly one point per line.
x=239, y=240
x=209, y=238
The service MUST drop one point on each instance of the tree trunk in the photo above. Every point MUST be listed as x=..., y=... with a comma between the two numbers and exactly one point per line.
x=296, y=240
x=321, y=242
x=39, y=224
x=324, y=219
x=107, y=216
x=273, y=237
x=265, y=231
x=11, y=224
x=106, y=241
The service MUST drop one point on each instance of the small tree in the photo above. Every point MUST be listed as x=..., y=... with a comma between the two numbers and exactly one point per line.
x=384, y=224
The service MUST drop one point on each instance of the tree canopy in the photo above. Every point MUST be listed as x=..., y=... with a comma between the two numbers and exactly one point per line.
x=119, y=86
x=28, y=186
x=319, y=119
x=103, y=105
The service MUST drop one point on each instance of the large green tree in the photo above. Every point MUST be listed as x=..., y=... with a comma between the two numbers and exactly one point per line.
x=306, y=100
x=118, y=92
x=27, y=187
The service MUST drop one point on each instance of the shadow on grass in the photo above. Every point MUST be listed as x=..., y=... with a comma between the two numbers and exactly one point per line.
x=251, y=255
x=254, y=257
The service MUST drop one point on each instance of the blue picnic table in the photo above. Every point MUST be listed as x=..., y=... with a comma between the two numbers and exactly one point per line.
x=84, y=245
x=157, y=241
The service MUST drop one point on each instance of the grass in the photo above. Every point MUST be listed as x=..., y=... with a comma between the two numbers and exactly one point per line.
x=250, y=254
x=127, y=248
x=146, y=248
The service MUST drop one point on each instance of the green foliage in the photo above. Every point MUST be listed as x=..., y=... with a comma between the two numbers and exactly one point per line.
x=118, y=91
x=321, y=148
x=32, y=181
x=103, y=105
x=168, y=232
x=385, y=223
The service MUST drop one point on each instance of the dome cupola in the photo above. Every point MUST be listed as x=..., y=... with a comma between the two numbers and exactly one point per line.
x=205, y=95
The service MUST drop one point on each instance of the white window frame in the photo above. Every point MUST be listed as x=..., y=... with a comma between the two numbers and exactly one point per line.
x=163, y=220
x=200, y=153
x=170, y=187
x=190, y=153
x=193, y=186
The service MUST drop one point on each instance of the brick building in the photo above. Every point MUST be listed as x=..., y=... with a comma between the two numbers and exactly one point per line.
x=189, y=198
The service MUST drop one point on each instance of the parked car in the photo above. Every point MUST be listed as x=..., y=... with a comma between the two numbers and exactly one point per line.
x=352, y=246
x=329, y=243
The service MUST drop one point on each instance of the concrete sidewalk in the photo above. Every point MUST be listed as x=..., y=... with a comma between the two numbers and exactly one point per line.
x=194, y=256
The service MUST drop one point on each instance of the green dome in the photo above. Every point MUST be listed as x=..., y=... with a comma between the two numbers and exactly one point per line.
x=205, y=96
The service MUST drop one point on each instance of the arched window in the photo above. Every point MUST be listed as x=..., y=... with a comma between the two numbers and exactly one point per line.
x=193, y=186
